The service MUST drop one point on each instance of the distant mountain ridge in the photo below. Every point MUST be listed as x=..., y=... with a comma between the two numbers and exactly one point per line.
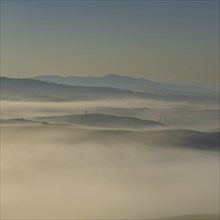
x=36, y=90
x=129, y=83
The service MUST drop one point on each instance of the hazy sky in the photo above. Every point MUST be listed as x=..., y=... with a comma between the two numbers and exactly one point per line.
x=158, y=40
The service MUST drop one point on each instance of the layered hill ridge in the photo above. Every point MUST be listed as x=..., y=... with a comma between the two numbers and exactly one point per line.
x=37, y=90
x=165, y=138
x=101, y=120
x=29, y=89
x=130, y=83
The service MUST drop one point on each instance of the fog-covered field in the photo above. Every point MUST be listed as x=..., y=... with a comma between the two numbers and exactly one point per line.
x=174, y=114
x=54, y=170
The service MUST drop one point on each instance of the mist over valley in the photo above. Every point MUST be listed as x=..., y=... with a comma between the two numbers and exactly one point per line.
x=96, y=152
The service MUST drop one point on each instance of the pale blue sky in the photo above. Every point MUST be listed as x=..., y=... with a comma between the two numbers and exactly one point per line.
x=158, y=40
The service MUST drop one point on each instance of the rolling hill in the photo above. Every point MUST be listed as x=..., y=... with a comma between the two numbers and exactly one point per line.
x=163, y=138
x=186, y=138
x=101, y=120
x=17, y=121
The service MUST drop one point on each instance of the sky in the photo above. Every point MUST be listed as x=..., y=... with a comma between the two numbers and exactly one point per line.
x=157, y=40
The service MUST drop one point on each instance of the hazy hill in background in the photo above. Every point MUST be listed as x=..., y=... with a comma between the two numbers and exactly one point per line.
x=131, y=83
x=28, y=89
x=36, y=90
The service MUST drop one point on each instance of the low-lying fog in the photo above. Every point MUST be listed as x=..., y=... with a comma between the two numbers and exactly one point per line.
x=172, y=114
x=62, y=172
x=44, y=176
